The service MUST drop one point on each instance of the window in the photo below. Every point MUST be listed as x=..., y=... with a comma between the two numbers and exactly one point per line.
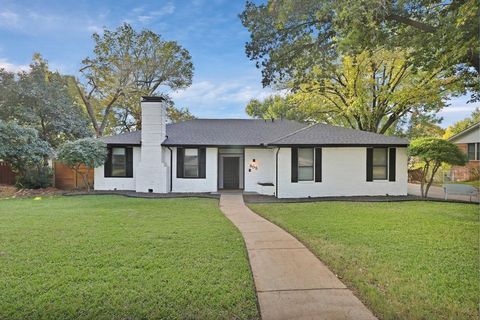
x=305, y=164
x=471, y=151
x=380, y=163
x=119, y=162
x=190, y=165
x=478, y=151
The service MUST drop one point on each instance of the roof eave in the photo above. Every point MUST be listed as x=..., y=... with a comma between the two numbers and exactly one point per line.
x=338, y=145
x=461, y=133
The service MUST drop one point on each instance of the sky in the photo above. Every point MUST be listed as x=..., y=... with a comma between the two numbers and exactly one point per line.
x=224, y=78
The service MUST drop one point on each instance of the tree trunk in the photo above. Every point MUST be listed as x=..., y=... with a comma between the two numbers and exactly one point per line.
x=85, y=180
x=424, y=179
x=434, y=170
x=90, y=110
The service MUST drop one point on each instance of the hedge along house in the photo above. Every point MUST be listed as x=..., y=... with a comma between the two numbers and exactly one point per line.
x=283, y=158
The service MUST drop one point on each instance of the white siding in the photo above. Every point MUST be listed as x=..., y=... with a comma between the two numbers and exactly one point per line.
x=209, y=184
x=471, y=136
x=102, y=183
x=265, y=162
x=343, y=174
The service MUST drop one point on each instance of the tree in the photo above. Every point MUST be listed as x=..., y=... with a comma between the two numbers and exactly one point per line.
x=125, y=66
x=422, y=125
x=21, y=147
x=88, y=153
x=461, y=125
x=179, y=114
x=433, y=152
x=371, y=91
x=40, y=99
x=8, y=94
x=290, y=36
x=128, y=116
x=273, y=107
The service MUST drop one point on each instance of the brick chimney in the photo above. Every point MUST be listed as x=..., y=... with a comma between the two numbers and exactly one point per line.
x=152, y=170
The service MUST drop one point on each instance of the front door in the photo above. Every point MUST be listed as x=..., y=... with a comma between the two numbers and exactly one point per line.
x=231, y=177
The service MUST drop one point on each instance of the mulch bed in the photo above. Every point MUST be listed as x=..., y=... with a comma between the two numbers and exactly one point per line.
x=146, y=195
x=8, y=191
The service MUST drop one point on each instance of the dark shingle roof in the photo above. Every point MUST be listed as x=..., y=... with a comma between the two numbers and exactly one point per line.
x=324, y=134
x=248, y=132
x=132, y=138
x=255, y=132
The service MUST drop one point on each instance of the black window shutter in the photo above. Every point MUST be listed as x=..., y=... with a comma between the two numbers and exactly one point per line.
x=369, y=164
x=202, y=162
x=294, y=164
x=318, y=164
x=392, y=157
x=108, y=164
x=129, y=162
x=180, y=155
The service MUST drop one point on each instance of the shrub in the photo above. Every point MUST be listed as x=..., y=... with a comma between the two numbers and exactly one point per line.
x=433, y=153
x=35, y=178
x=88, y=152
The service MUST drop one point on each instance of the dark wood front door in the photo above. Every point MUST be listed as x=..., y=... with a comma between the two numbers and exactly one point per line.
x=231, y=177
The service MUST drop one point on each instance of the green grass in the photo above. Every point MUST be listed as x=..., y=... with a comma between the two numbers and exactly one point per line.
x=107, y=257
x=405, y=260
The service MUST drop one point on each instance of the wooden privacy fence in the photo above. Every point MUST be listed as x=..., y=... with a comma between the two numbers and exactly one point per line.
x=66, y=178
x=7, y=176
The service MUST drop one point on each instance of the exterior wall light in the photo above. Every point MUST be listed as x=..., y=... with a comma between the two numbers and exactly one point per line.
x=253, y=165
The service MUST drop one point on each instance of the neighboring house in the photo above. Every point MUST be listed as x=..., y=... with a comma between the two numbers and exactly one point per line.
x=284, y=158
x=468, y=141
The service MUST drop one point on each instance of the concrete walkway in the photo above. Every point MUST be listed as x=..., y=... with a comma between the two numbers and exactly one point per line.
x=291, y=282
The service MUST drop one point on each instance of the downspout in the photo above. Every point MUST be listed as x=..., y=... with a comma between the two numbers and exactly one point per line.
x=171, y=168
x=276, y=173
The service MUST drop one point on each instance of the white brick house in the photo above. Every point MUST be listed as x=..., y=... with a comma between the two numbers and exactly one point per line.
x=283, y=158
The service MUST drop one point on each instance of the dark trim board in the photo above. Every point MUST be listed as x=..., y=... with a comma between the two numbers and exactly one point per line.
x=339, y=145
x=214, y=146
x=350, y=145
x=123, y=145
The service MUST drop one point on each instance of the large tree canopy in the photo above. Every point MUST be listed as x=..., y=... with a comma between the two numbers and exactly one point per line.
x=126, y=65
x=41, y=99
x=370, y=91
x=21, y=147
x=290, y=36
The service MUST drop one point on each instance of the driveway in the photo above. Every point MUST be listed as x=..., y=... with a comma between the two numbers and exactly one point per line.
x=291, y=282
x=437, y=193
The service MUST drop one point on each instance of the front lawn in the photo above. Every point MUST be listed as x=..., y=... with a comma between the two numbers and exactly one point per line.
x=405, y=260
x=108, y=257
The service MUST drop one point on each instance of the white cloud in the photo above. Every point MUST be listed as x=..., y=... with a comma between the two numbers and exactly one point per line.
x=460, y=109
x=95, y=28
x=207, y=92
x=9, y=18
x=219, y=99
x=145, y=16
x=5, y=64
